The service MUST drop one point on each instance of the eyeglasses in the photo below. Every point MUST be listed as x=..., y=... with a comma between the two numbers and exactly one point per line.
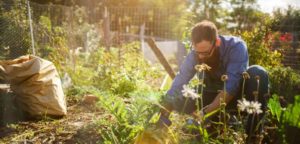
x=206, y=53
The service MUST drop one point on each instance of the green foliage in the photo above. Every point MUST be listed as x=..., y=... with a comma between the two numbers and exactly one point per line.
x=79, y=91
x=287, y=119
x=286, y=20
x=275, y=107
x=120, y=74
x=45, y=23
x=258, y=49
x=110, y=71
x=82, y=76
x=207, y=10
x=284, y=82
x=128, y=118
x=289, y=115
x=120, y=83
x=55, y=49
x=245, y=15
x=14, y=29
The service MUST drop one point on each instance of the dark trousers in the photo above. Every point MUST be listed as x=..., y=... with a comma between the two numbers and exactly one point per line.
x=188, y=105
x=251, y=85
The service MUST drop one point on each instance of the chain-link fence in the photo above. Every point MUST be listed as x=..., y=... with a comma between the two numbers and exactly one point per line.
x=14, y=30
x=289, y=45
x=107, y=26
x=291, y=58
x=85, y=29
x=80, y=27
x=65, y=34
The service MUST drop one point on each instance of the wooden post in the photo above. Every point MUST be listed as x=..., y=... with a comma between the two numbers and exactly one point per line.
x=106, y=29
x=31, y=28
x=161, y=57
x=142, y=37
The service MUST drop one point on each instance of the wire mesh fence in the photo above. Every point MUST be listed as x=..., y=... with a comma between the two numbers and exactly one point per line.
x=81, y=29
x=85, y=29
x=80, y=26
x=14, y=29
x=291, y=58
x=289, y=45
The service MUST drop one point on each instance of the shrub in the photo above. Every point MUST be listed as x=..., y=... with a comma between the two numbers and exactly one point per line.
x=259, y=49
x=285, y=82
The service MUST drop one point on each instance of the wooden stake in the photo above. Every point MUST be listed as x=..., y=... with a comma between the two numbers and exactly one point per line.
x=161, y=57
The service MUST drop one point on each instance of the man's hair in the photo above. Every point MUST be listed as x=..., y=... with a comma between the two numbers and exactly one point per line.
x=204, y=30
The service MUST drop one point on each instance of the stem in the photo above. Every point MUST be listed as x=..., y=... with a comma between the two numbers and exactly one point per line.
x=239, y=115
x=243, y=88
x=223, y=107
x=257, y=89
x=203, y=75
x=186, y=100
x=201, y=97
x=251, y=128
x=197, y=100
x=197, y=104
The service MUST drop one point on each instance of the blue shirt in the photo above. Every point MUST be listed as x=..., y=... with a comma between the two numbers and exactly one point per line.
x=233, y=56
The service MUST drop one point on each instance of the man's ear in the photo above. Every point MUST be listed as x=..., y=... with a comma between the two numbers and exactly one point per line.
x=218, y=42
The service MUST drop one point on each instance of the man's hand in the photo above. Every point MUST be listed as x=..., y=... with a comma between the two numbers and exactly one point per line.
x=217, y=101
x=198, y=115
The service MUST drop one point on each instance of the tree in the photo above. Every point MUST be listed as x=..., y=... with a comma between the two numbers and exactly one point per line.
x=286, y=20
x=207, y=10
x=245, y=15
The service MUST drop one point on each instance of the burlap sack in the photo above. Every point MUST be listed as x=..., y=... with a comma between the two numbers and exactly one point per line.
x=37, y=85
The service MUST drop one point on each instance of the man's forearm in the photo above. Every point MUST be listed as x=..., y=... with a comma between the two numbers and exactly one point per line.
x=217, y=101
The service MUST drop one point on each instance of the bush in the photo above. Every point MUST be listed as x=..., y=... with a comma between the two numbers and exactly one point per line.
x=284, y=82
x=125, y=120
x=259, y=49
x=109, y=71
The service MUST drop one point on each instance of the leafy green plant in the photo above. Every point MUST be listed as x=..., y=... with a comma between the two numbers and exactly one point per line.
x=284, y=81
x=258, y=48
x=289, y=115
x=127, y=119
x=287, y=118
x=122, y=84
x=109, y=71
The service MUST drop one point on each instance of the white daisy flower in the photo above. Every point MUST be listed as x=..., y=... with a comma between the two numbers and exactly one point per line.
x=189, y=93
x=256, y=107
x=251, y=107
x=243, y=104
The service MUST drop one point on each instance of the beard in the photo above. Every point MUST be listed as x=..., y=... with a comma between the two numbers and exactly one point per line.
x=213, y=60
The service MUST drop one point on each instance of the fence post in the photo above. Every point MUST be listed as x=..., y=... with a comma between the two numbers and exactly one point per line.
x=31, y=28
x=106, y=29
x=142, y=37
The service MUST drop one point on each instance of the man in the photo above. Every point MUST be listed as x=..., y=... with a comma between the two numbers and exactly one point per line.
x=226, y=55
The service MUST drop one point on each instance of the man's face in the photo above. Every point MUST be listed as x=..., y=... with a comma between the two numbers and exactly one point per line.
x=204, y=49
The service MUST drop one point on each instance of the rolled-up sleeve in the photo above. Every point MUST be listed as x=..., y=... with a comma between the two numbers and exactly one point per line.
x=237, y=64
x=186, y=73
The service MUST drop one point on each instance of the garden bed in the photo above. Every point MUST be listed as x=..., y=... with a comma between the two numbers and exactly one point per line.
x=77, y=127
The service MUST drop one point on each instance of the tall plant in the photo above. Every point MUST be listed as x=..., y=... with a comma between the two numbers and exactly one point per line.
x=259, y=48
